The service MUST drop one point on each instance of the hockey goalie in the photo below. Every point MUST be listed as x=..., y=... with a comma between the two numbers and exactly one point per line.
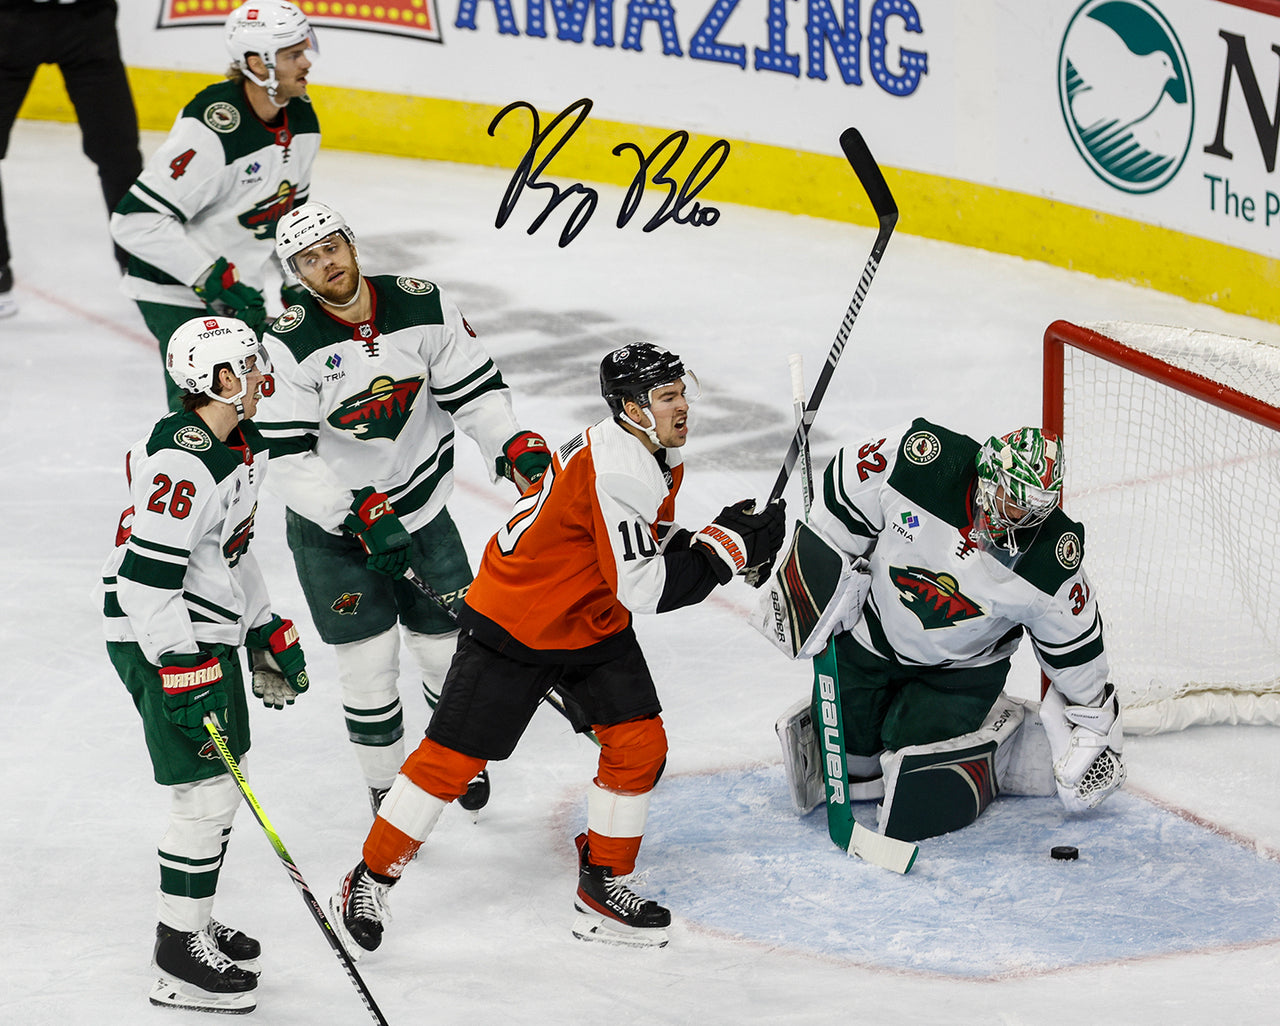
x=927, y=559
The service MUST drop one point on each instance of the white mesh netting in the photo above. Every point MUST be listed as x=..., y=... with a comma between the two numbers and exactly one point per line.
x=1180, y=501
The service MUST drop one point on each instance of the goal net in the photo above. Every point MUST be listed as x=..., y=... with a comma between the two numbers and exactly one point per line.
x=1172, y=464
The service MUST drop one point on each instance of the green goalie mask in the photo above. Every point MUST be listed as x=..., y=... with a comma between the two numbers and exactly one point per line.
x=1019, y=484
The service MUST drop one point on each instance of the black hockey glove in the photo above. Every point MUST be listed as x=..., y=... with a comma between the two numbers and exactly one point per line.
x=744, y=539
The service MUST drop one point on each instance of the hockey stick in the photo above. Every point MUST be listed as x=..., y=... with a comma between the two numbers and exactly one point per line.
x=868, y=171
x=228, y=760
x=552, y=697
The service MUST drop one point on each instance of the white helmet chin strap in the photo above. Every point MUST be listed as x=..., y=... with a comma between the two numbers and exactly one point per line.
x=648, y=432
x=269, y=83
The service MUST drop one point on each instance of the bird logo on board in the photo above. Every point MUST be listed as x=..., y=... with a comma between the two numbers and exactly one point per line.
x=1124, y=88
x=263, y=216
x=936, y=599
x=380, y=411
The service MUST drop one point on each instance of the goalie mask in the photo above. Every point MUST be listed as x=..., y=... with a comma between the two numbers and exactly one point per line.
x=304, y=227
x=1019, y=485
x=200, y=346
x=265, y=27
x=633, y=373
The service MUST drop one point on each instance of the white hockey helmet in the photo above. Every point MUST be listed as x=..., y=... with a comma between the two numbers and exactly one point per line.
x=265, y=27
x=200, y=346
x=304, y=226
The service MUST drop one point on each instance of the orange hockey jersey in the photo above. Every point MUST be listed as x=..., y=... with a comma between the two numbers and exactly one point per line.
x=581, y=552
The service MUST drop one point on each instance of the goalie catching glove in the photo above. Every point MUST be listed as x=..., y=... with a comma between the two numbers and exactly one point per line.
x=1086, y=741
x=525, y=458
x=226, y=295
x=743, y=539
x=194, y=687
x=815, y=593
x=376, y=527
x=279, y=667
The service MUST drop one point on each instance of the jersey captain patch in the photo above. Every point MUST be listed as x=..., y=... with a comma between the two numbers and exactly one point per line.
x=222, y=117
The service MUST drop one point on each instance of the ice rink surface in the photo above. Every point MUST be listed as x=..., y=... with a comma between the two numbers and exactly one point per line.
x=1170, y=916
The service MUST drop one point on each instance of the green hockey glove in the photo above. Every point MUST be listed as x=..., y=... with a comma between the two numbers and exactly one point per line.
x=279, y=667
x=376, y=527
x=525, y=458
x=194, y=685
x=226, y=295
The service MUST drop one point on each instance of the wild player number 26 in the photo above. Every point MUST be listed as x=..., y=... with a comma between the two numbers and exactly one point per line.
x=179, y=502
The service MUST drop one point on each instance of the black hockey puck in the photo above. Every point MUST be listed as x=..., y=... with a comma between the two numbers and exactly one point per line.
x=1064, y=852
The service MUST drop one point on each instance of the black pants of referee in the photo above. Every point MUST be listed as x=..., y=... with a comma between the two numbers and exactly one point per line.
x=80, y=37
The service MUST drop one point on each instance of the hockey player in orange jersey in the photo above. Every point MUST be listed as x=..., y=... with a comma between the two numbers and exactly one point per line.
x=588, y=545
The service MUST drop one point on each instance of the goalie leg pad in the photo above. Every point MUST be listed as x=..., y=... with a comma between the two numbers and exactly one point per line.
x=811, y=595
x=801, y=759
x=935, y=788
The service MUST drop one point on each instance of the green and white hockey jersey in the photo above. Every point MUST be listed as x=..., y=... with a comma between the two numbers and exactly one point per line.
x=181, y=575
x=216, y=187
x=376, y=403
x=905, y=501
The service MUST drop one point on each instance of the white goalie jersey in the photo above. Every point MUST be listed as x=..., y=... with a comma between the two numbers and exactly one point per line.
x=937, y=598
x=376, y=404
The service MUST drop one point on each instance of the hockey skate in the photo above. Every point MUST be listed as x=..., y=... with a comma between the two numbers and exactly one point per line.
x=609, y=911
x=360, y=911
x=242, y=949
x=477, y=796
x=195, y=974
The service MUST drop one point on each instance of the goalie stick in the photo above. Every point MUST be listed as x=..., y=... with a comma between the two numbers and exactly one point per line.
x=868, y=171
x=228, y=760
x=847, y=833
x=553, y=698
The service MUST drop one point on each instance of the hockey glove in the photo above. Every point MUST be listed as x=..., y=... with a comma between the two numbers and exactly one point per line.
x=194, y=686
x=375, y=526
x=1086, y=741
x=279, y=667
x=226, y=295
x=743, y=538
x=524, y=459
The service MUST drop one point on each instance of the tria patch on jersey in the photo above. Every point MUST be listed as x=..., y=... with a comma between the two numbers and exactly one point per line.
x=935, y=598
x=194, y=438
x=415, y=286
x=381, y=411
x=222, y=117
x=346, y=603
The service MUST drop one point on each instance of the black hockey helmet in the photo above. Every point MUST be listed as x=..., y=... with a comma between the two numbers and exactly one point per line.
x=633, y=371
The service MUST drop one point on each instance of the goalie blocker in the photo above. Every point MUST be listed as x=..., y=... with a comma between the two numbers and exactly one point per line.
x=815, y=592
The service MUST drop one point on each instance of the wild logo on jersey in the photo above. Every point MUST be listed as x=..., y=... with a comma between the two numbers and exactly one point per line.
x=233, y=548
x=346, y=603
x=935, y=598
x=381, y=411
x=262, y=217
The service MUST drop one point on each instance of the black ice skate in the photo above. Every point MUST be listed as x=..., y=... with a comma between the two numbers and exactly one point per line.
x=477, y=796
x=194, y=974
x=376, y=794
x=360, y=910
x=609, y=911
x=242, y=949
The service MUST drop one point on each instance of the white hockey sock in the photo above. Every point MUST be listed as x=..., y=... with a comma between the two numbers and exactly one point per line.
x=433, y=653
x=190, y=852
x=369, y=674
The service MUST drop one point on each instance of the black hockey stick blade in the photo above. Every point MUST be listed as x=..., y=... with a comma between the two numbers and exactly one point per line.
x=869, y=174
x=882, y=202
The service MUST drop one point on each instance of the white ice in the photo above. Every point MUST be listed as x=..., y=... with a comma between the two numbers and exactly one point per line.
x=1168, y=917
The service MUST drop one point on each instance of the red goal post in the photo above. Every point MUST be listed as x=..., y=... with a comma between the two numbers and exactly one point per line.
x=1171, y=440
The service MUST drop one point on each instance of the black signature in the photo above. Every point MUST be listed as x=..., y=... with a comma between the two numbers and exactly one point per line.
x=679, y=204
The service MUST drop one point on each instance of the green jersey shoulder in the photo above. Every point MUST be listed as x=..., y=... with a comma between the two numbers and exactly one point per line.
x=224, y=108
